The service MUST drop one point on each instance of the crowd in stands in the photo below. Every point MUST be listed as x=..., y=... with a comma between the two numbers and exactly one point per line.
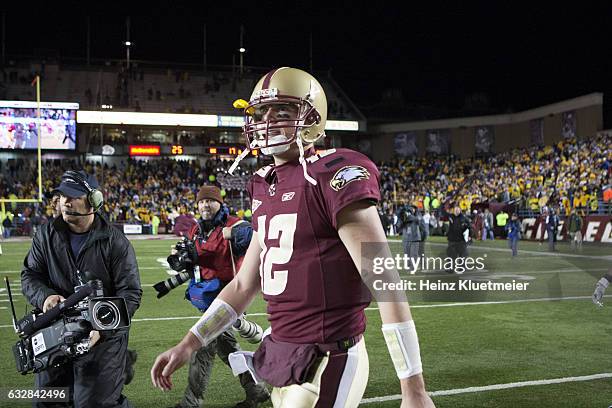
x=573, y=174
x=134, y=191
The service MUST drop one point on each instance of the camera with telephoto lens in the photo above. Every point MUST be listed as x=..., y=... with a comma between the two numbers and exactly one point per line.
x=185, y=257
x=183, y=261
x=406, y=212
x=248, y=330
x=52, y=338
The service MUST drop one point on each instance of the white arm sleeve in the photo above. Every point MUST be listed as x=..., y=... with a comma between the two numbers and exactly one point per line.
x=403, y=344
x=218, y=318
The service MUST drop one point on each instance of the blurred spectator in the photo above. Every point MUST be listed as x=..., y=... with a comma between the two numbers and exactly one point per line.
x=487, y=225
x=513, y=228
x=574, y=230
x=7, y=225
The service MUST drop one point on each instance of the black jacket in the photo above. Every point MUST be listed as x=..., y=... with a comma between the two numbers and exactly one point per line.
x=49, y=267
x=457, y=225
x=410, y=227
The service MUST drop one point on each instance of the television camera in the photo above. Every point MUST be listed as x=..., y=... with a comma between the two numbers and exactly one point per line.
x=62, y=333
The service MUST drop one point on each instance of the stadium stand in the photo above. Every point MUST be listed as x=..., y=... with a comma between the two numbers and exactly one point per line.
x=147, y=86
x=571, y=174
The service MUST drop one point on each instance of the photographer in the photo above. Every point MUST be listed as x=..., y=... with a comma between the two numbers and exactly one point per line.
x=218, y=238
x=458, y=233
x=410, y=226
x=81, y=245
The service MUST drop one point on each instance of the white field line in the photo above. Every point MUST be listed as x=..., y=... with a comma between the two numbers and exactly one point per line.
x=514, y=271
x=525, y=251
x=495, y=387
x=496, y=302
x=493, y=302
x=483, y=273
x=142, y=267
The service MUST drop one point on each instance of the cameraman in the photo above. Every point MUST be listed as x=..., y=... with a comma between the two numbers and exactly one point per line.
x=219, y=238
x=458, y=233
x=410, y=226
x=78, y=242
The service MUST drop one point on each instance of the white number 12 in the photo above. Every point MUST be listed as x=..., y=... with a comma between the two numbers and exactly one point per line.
x=283, y=225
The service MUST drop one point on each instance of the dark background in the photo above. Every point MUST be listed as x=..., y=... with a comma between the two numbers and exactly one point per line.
x=434, y=60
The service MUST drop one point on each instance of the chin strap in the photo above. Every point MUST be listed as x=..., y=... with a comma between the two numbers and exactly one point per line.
x=312, y=181
x=242, y=155
x=298, y=140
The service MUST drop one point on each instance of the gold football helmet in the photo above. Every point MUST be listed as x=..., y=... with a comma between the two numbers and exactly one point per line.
x=281, y=87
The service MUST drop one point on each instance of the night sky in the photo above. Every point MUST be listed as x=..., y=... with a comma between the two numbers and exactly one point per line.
x=437, y=55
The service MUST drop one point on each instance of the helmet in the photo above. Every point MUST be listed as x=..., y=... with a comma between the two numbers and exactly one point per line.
x=286, y=86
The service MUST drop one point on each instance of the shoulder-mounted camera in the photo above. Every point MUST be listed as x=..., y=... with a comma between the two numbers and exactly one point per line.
x=62, y=333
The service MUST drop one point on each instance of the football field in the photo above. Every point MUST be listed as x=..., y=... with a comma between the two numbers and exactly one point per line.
x=548, y=346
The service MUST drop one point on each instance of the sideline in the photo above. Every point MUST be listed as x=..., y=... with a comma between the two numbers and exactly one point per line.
x=495, y=387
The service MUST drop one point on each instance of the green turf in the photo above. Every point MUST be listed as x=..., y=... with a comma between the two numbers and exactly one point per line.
x=462, y=346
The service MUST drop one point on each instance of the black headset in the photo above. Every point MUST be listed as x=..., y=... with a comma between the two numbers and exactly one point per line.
x=94, y=196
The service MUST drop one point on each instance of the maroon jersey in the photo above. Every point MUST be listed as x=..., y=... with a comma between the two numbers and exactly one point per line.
x=313, y=288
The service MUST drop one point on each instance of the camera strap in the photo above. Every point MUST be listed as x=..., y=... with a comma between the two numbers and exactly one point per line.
x=231, y=250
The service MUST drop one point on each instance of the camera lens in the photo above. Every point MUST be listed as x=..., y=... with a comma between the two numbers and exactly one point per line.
x=106, y=315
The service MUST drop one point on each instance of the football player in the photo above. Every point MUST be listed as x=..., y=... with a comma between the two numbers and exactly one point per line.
x=311, y=214
x=600, y=288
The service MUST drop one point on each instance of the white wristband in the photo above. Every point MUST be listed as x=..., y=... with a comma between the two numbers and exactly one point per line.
x=218, y=318
x=403, y=344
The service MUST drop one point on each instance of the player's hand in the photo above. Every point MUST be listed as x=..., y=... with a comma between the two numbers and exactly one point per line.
x=600, y=289
x=171, y=360
x=51, y=301
x=94, y=337
x=414, y=394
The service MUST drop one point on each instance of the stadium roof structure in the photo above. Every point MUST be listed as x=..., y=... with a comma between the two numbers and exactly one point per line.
x=584, y=101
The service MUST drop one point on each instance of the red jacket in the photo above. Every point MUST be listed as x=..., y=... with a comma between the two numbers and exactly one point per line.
x=214, y=255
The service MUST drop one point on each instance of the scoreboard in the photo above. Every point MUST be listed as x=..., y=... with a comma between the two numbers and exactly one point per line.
x=227, y=151
x=180, y=150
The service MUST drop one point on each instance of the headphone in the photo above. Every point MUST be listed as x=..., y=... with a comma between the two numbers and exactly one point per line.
x=94, y=196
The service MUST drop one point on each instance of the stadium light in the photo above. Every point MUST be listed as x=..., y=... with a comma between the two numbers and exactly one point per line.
x=127, y=44
x=242, y=49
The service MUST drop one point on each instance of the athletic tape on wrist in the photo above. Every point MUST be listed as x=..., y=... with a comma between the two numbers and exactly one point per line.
x=403, y=344
x=218, y=318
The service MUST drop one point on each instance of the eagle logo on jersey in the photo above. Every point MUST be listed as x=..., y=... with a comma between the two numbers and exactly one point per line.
x=348, y=174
